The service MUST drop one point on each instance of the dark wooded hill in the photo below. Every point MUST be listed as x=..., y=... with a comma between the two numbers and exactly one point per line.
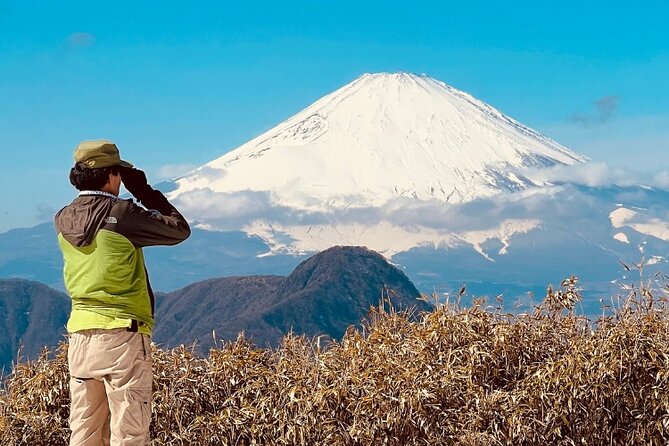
x=33, y=316
x=324, y=295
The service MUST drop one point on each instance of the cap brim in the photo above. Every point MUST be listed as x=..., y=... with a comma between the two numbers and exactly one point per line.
x=125, y=164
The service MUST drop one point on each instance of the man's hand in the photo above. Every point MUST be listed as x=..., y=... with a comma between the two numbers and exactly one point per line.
x=135, y=182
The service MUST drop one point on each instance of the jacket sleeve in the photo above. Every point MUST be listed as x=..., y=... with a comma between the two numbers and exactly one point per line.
x=162, y=224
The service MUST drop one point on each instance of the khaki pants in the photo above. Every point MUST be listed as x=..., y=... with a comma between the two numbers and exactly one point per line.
x=110, y=388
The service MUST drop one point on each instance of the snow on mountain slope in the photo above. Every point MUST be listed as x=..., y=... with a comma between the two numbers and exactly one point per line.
x=336, y=171
x=643, y=224
x=380, y=137
x=387, y=238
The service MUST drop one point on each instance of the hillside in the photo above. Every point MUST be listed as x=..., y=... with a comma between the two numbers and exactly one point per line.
x=220, y=307
x=325, y=294
x=33, y=316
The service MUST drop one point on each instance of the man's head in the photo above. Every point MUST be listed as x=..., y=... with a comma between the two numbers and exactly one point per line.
x=97, y=166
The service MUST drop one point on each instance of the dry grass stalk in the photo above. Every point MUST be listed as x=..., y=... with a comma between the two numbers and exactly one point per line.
x=455, y=376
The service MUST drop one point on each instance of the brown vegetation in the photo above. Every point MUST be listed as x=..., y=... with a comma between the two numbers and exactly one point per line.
x=454, y=376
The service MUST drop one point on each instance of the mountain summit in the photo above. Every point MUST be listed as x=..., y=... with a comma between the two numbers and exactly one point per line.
x=381, y=137
x=375, y=163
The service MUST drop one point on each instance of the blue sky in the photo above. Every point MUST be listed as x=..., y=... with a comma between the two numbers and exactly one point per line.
x=177, y=84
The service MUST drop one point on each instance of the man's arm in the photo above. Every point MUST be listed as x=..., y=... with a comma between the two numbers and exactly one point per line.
x=161, y=224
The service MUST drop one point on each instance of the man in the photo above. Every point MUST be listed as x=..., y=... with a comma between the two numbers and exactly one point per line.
x=101, y=238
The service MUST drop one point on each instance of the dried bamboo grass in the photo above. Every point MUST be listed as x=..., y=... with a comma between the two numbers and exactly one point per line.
x=455, y=376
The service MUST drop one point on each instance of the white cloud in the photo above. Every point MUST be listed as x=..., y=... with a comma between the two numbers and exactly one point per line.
x=172, y=171
x=661, y=180
x=598, y=174
x=223, y=211
x=586, y=174
x=226, y=211
x=486, y=223
x=44, y=212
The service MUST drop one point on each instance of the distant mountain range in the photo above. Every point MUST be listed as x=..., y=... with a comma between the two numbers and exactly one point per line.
x=324, y=295
x=33, y=254
x=445, y=186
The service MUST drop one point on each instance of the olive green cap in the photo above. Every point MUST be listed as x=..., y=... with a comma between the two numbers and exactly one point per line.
x=99, y=153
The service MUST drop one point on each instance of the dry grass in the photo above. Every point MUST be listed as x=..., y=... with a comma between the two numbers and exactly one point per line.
x=456, y=376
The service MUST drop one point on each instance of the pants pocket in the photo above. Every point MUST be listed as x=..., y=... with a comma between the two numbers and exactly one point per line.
x=140, y=415
x=131, y=415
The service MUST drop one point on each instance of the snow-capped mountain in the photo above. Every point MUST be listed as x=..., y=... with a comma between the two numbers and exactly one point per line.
x=445, y=186
x=381, y=137
x=378, y=145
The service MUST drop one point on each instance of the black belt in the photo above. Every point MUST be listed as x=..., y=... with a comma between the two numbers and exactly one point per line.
x=134, y=326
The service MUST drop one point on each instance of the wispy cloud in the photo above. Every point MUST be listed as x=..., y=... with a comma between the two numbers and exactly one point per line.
x=586, y=174
x=80, y=40
x=604, y=109
x=171, y=171
x=564, y=201
x=230, y=211
x=227, y=211
x=600, y=175
x=44, y=212
x=607, y=106
x=661, y=180
x=566, y=209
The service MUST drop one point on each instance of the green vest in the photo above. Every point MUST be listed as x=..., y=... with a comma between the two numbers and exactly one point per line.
x=107, y=283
